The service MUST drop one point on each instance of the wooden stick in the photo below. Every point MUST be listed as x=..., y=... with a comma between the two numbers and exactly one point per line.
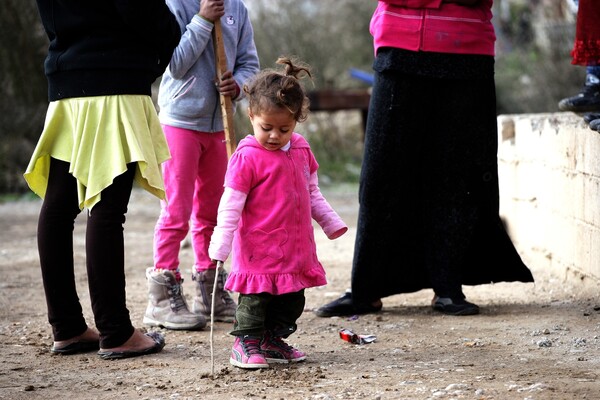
x=226, y=103
x=212, y=318
x=227, y=111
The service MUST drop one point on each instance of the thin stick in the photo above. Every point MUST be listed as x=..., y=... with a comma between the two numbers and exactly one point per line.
x=226, y=103
x=212, y=318
x=227, y=111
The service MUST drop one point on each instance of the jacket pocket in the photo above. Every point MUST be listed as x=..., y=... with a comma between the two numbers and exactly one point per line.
x=184, y=88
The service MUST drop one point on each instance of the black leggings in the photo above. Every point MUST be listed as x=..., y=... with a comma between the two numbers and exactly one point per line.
x=104, y=257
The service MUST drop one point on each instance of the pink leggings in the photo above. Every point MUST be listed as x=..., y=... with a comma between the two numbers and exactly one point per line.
x=194, y=184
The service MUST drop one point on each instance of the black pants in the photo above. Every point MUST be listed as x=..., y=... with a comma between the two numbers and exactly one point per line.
x=257, y=313
x=104, y=257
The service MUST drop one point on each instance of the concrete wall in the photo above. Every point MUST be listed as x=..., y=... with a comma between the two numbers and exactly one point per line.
x=549, y=166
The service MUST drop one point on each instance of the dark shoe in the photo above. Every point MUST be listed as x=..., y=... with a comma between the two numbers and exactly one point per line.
x=589, y=117
x=75, y=348
x=344, y=306
x=276, y=350
x=159, y=343
x=595, y=125
x=454, y=307
x=587, y=100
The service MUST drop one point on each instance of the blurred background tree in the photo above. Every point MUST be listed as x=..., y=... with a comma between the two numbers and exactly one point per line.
x=533, y=55
x=23, y=86
x=533, y=70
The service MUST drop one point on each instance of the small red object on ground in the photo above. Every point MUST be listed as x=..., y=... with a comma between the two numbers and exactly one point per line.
x=351, y=337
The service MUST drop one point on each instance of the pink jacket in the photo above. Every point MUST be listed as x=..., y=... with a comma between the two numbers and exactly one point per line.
x=434, y=26
x=274, y=195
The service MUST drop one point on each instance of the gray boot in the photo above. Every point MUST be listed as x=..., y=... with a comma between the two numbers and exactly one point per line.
x=166, y=303
x=224, y=304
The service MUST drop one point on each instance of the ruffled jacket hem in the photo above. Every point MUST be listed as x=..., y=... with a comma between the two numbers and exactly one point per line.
x=275, y=284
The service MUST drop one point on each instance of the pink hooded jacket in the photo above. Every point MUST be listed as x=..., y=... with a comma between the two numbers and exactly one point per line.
x=274, y=248
x=434, y=26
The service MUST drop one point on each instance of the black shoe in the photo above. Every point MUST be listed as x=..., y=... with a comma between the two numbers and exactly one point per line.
x=454, y=307
x=595, y=125
x=344, y=306
x=587, y=100
x=589, y=117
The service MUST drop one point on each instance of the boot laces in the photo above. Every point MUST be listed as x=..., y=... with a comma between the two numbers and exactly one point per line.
x=221, y=289
x=177, y=299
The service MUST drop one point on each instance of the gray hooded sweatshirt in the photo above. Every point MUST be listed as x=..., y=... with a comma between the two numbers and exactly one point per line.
x=187, y=96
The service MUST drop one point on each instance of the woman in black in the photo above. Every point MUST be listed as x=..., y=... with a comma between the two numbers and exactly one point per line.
x=101, y=134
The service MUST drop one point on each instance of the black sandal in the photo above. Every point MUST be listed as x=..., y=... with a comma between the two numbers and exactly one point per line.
x=159, y=343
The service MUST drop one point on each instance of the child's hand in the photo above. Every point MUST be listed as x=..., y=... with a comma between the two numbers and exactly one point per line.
x=212, y=10
x=227, y=85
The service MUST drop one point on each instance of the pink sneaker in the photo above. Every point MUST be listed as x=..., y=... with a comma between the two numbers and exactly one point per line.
x=278, y=351
x=246, y=353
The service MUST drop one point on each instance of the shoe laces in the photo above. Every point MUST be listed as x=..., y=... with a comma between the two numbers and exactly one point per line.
x=251, y=345
x=280, y=343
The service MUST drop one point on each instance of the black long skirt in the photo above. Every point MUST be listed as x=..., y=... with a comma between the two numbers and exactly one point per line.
x=429, y=201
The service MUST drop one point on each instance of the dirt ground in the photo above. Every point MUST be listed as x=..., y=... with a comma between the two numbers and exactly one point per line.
x=531, y=341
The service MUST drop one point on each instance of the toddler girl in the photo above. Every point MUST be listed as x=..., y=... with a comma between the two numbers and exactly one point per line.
x=271, y=194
